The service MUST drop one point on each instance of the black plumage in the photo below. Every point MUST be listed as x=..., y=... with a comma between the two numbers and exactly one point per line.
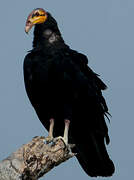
x=60, y=85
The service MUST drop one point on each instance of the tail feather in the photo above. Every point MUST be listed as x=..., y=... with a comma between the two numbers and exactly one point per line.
x=94, y=158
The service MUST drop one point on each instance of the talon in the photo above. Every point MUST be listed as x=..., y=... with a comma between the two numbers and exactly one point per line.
x=65, y=136
x=57, y=138
x=49, y=139
x=72, y=145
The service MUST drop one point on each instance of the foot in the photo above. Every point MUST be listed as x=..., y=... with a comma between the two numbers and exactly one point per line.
x=65, y=136
x=49, y=139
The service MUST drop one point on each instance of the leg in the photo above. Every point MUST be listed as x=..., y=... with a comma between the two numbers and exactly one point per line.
x=65, y=137
x=51, y=127
x=50, y=133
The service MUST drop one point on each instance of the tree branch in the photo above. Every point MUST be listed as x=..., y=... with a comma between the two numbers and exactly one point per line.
x=33, y=160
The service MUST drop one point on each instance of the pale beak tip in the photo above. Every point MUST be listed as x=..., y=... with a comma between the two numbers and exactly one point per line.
x=26, y=32
x=27, y=28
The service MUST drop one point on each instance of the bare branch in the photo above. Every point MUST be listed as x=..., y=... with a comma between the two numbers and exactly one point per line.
x=33, y=160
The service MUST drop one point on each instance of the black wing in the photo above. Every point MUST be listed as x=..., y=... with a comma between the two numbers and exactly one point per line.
x=28, y=76
x=91, y=131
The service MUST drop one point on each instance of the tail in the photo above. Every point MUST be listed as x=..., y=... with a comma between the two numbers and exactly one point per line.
x=93, y=157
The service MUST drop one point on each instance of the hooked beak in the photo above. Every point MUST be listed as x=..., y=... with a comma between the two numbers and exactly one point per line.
x=37, y=16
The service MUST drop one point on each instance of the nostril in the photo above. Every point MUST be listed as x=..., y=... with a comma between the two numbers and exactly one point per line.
x=28, y=22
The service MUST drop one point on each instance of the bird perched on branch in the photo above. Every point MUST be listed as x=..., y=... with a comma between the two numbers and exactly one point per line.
x=64, y=90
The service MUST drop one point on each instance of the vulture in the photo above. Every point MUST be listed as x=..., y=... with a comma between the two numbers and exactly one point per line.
x=67, y=94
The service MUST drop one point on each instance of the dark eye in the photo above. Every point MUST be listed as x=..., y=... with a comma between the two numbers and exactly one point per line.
x=37, y=14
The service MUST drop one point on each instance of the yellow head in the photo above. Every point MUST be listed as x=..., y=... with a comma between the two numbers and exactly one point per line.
x=37, y=16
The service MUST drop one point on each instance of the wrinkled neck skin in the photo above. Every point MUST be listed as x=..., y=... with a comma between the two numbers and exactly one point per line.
x=47, y=36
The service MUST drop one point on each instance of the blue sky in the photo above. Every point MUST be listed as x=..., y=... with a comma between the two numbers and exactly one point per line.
x=104, y=31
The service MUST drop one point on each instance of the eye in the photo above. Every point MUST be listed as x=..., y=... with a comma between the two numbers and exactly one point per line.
x=37, y=14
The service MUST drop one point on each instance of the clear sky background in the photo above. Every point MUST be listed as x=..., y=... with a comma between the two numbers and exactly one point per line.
x=104, y=31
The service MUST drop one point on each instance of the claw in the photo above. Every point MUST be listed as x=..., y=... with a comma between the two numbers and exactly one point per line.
x=72, y=145
x=49, y=139
x=65, y=136
x=57, y=138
